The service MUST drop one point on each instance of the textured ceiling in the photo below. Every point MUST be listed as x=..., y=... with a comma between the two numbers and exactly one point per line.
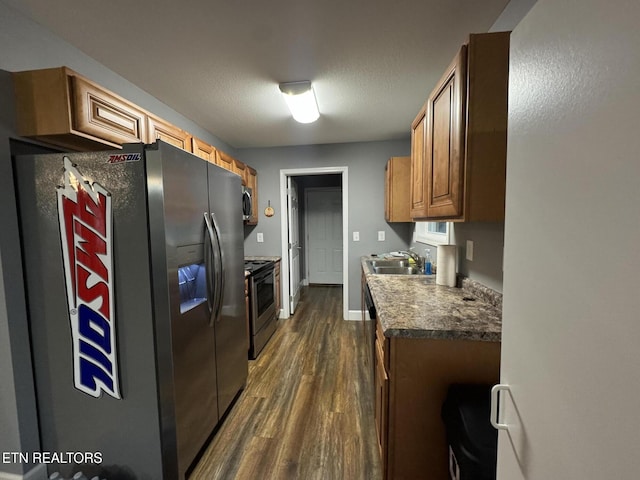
x=372, y=63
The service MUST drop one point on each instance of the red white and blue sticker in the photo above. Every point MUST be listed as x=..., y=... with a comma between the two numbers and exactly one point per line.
x=86, y=231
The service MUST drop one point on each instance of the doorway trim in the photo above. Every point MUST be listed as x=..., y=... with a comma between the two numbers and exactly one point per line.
x=284, y=230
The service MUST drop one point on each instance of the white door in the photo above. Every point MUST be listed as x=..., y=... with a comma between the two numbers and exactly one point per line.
x=571, y=316
x=294, y=243
x=323, y=207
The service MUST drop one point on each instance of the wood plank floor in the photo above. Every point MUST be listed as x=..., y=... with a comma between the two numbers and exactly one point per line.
x=307, y=410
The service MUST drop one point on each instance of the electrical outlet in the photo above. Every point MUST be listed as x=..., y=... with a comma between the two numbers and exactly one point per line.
x=381, y=236
x=260, y=237
x=356, y=236
x=470, y=250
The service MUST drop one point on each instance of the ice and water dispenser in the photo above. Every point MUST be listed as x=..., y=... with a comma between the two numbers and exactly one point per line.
x=192, y=279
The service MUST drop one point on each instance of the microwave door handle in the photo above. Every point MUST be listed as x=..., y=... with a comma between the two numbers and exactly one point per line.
x=220, y=271
x=208, y=261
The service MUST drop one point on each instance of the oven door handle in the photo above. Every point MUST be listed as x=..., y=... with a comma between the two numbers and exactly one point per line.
x=208, y=263
x=220, y=271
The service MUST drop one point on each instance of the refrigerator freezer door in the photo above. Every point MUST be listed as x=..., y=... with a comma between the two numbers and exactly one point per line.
x=177, y=189
x=225, y=200
x=126, y=431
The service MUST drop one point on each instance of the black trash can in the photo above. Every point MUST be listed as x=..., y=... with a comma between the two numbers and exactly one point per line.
x=473, y=442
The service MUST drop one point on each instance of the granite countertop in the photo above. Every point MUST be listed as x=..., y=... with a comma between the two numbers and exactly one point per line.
x=251, y=258
x=273, y=259
x=413, y=306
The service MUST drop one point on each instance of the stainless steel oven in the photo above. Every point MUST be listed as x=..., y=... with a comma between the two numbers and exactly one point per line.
x=262, y=309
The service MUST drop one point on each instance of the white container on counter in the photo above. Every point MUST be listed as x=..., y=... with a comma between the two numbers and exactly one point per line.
x=446, y=271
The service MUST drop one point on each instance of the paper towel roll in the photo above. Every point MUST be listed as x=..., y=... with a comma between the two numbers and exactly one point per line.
x=446, y=265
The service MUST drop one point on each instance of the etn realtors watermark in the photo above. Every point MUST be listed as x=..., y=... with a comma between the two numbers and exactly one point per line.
x=78, y=458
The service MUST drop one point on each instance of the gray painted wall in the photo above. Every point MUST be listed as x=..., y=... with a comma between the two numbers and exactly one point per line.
x=18, y=419
x=366, y=162
x=488, y=245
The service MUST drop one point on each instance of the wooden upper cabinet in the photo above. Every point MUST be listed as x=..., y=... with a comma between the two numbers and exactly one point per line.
x=225, y=161
x=445, y=141
x=252, y=183
x=397, y=180
x=60, y=107
x=203, y=150
x=241, y=169
x=462, y=160
x=418, y=165
x=97, y=112
x=161, y=130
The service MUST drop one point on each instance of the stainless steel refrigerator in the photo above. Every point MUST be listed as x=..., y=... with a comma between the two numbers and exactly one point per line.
x=133, y=265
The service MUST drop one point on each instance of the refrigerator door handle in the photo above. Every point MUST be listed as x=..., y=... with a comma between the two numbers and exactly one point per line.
x=220, y=271
x=495, y=400
x=208, y=262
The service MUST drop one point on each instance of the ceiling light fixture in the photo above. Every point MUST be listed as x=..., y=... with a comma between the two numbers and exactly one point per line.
x=301, y=100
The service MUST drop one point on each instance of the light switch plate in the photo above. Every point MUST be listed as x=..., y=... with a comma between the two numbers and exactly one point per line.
x=381, y=236
x=470, y=250
x=356, y=236
x=260, y=237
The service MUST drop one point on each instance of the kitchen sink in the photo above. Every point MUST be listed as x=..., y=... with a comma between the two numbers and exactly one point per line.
x=389, y=263
x=396, y=270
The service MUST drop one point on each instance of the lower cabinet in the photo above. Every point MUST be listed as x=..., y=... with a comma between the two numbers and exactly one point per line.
x=381, y=387
x=278, y=294
x=412, y=376
x=247, y=307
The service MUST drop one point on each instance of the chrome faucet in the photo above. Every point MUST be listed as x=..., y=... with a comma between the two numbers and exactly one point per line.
x=416, y=258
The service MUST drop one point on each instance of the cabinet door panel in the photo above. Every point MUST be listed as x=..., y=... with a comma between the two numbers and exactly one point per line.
x=100, y=114
x=397, y=200
x=381, y=403
x=445, y=142
x=442, y=137
x=160, y=130
x=203, y=150
x=225, y=161
x=418, y=166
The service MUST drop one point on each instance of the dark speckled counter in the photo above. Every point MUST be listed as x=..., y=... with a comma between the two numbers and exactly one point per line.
x=250, y=258
x=413, y=306
x=273, y=259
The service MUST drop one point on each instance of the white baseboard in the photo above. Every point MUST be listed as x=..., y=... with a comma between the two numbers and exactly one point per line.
x=38, y=472
x=355, y=315
x=305, y=282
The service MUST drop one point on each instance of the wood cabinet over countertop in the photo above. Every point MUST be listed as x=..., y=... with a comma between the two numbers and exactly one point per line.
x=252, y=182
x=396, y=189
x=459, y=138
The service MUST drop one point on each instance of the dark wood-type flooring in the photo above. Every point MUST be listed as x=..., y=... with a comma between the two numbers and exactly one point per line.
x=307, y=410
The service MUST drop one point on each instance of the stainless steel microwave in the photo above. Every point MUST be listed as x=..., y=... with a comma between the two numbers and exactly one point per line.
x=247, y=199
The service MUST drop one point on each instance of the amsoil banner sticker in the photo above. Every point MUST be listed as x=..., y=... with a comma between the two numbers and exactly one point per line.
x=85, y=217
